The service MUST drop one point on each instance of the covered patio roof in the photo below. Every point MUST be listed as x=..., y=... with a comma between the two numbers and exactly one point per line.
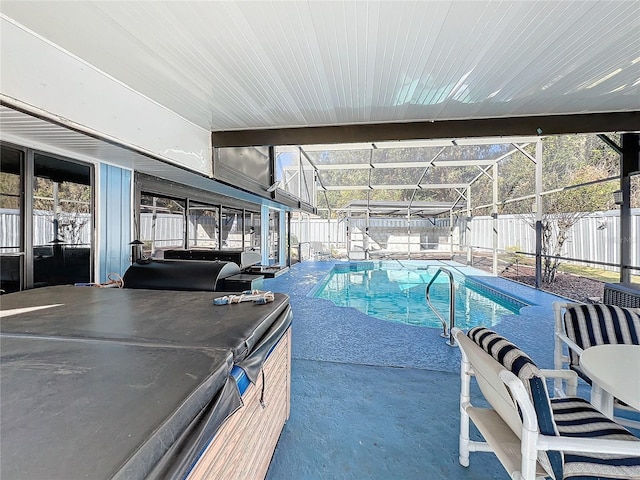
x=303, y=72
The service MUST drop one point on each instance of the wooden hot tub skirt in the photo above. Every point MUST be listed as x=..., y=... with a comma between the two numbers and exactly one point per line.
x=243, y=447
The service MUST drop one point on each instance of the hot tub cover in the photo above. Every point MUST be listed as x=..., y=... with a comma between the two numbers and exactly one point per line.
x=148, y=316
x=189, y=275
x=125, y=384
x=94, y=409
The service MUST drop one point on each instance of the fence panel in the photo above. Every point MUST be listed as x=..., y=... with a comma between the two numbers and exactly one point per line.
x=594, y=237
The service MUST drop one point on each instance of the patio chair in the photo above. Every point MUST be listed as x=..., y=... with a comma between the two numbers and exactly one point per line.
x=580, y=326
x=319, y=252
x=532, y=435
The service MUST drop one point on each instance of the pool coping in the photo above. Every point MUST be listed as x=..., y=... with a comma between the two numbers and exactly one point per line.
x=514, y=291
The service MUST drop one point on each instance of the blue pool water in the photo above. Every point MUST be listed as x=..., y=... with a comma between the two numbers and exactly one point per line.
x=395, y=291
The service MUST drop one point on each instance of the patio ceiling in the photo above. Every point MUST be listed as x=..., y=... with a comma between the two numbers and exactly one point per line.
x=262, y=72
x=427, y=77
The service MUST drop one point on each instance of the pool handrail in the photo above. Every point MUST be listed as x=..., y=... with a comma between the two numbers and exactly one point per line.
x=452, y=306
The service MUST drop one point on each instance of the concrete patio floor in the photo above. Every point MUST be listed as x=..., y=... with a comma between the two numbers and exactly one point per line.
x=373, y=399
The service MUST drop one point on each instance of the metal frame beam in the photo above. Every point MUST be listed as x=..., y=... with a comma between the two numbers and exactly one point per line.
x=395, y=165
x=485, y=127
x=494, y=215
x=538, y=207
x=435, y=186
x=629, y=164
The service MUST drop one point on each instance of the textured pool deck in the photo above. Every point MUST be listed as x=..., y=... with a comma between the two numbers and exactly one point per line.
x=373, y=399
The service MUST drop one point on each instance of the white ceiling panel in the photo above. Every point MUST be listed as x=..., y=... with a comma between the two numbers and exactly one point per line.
x=25, y=130
x=263, y=64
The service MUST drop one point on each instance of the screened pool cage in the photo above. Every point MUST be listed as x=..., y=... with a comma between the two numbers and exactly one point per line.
x=475, y=200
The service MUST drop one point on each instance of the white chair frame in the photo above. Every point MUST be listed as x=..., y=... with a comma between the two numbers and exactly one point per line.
x=515, y=440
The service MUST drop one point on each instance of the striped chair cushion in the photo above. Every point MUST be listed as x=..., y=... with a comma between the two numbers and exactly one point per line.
x=576, y=417
x=589, y=325
x=506, y=353
x=519, y=363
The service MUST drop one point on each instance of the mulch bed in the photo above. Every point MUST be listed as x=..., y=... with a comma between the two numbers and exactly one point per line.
x=580, y=289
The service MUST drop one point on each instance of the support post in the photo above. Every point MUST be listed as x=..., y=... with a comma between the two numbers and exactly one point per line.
x=365, y=240
x=408, y=233
x=348, y=234
x=538, y=212
x=467, y=234
x=288, y=252
x=629, y=163
x=299, y=214
x=494, y=215
x=451, y=231
x=329, y=231
x=27, y=219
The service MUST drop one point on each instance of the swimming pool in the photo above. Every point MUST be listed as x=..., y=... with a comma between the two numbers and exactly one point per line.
x=395, y=291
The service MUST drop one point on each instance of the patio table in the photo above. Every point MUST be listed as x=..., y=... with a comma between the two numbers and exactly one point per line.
x=615, y=371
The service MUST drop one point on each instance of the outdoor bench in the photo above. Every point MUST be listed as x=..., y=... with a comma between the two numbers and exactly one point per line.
x=531, y=434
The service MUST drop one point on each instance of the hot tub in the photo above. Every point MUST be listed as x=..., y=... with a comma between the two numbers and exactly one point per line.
x=117, y=383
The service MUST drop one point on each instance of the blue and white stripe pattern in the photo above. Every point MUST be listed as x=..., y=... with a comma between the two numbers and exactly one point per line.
x=589, y=325
x=521, y=365
x=576, y=417
x=506, y=353
x=570, y=417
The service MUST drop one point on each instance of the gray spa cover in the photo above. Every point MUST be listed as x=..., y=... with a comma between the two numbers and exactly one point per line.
x=125, y=384
x=149, y=316
x=75, y=409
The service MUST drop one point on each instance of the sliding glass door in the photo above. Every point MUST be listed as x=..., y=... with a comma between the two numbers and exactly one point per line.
x=62, y=221
x=11, y=218
x=46, y=220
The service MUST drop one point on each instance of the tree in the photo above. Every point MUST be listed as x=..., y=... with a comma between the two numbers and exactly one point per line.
x=562, y=210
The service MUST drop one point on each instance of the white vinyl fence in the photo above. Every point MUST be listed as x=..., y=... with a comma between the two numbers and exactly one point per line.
x=73, y=229
x=593, y=238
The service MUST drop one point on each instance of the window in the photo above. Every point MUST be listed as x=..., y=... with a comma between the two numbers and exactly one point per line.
x=62, y=221
x=162, y=224
x=252, y=231
x=175, y=216
x=274, y=237
x=231, y=229
x=10, y=203
x=11, y=255
x=203, y=226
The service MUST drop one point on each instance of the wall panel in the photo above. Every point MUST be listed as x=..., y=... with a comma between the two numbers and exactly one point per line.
x=115, y=212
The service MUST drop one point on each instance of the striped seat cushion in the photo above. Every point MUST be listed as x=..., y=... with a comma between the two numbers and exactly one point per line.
x=589, y=325
x=576, y=417
x=519, y=363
